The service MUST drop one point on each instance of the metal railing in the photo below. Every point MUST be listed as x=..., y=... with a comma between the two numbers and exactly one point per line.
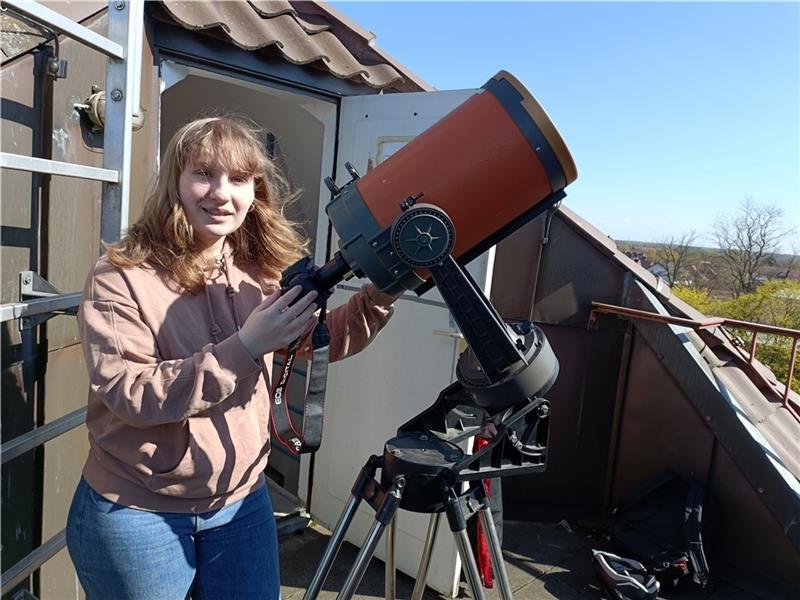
x=18, y=162
x=725, y=324
x=63, y=303
x=125, y=25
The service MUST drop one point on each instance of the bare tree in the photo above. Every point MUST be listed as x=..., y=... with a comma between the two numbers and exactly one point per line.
x=675, y=254
x=790, y=264
x=747, y=240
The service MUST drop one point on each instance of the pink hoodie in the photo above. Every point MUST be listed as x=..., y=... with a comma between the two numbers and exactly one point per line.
x=178, y=411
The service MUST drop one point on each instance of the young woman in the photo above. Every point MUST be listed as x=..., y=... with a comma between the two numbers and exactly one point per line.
x=178, y=323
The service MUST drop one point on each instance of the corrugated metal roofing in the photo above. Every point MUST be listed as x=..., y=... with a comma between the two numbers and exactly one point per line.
x=303, y=33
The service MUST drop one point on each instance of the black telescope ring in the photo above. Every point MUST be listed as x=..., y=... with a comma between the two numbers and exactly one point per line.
x=423, y=236
x=510, y=99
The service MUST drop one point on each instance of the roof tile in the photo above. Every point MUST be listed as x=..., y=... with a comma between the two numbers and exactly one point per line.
x=301, y=39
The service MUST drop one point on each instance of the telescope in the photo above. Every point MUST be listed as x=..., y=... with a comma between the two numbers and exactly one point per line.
x=415, y=221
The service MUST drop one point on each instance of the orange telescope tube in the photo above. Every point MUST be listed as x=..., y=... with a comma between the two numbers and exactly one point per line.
x=491, y=164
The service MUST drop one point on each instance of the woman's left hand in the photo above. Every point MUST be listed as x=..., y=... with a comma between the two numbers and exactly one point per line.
x=276, y=322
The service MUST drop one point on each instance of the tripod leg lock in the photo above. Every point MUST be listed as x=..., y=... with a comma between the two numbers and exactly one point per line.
x=454, y=507
x=391, y=501
x=462, y=508
x=366, y=474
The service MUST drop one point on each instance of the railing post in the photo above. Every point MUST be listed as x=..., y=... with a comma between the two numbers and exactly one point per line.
x=753, y=346
x=117, y=132
x=790, y=375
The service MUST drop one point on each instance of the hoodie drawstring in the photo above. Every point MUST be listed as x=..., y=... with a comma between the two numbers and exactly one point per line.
x=216, y=330
x=230, y=292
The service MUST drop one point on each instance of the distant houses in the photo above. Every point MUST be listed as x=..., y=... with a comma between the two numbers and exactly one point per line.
x=655, y=268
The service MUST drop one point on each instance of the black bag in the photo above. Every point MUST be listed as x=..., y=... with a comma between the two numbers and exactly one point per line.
x=662, y=525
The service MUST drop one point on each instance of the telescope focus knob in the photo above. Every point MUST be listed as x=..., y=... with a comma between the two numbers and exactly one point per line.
x=423, y=235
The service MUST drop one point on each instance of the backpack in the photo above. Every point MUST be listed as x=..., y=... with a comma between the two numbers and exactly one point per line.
x=666, y=525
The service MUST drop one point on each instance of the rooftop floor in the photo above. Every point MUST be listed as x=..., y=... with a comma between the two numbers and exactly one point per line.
x=544, y=561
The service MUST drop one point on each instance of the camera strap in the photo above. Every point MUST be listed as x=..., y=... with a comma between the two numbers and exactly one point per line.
x=310, y=436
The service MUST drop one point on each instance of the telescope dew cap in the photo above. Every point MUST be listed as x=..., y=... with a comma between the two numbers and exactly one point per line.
x=542, y=121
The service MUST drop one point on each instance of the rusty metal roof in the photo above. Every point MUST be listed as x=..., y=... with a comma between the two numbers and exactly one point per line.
x=303, y=33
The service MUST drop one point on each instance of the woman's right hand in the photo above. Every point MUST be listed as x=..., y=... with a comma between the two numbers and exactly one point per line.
x=274, y=324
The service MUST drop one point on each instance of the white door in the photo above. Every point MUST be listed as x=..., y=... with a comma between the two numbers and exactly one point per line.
x=371, y=394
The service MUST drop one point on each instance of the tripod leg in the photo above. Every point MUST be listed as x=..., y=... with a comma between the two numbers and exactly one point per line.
x=498, y=564
x=458, y=525
x=332, y=549
x=391, y=573
x=427, y=552
x=383, y=517
x=334, y=543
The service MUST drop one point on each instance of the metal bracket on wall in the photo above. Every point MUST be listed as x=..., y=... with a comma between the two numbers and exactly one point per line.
x=33, y=286
x=548, y=221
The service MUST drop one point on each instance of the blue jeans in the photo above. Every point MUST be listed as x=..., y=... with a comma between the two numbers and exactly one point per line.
x=130, y=554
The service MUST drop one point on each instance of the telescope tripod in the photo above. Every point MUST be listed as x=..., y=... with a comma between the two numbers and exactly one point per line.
x=501, y=378
x=414, y=485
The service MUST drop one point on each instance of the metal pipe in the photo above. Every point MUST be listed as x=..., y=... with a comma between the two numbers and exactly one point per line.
x=755, y=328
x=599, y=307
x=427, y=553
x=332, y=549
x=619, y=401
x=32, y=439
x=30, y=308
x=118, y=127
x=790, y=375
x=468, y=564
x=54, y=20
x=495, y=552
x=753, y=344
x=390, y=577
x=31, y=164
x=23, y=568
x=362, y=561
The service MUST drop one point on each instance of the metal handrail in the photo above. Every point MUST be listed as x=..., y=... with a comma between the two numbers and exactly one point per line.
x=30, y=440
x=66, y=303
x=29, y=164
x=755, y=328
x=14, y=448
x=45, y=16
x=33, y=561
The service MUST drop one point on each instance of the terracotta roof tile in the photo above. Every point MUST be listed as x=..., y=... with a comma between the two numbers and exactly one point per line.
x=303, y=33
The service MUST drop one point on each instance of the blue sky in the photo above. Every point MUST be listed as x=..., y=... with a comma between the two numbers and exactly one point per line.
x=674, y=112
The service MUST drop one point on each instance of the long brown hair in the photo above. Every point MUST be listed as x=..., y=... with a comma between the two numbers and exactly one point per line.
x=163, y=236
